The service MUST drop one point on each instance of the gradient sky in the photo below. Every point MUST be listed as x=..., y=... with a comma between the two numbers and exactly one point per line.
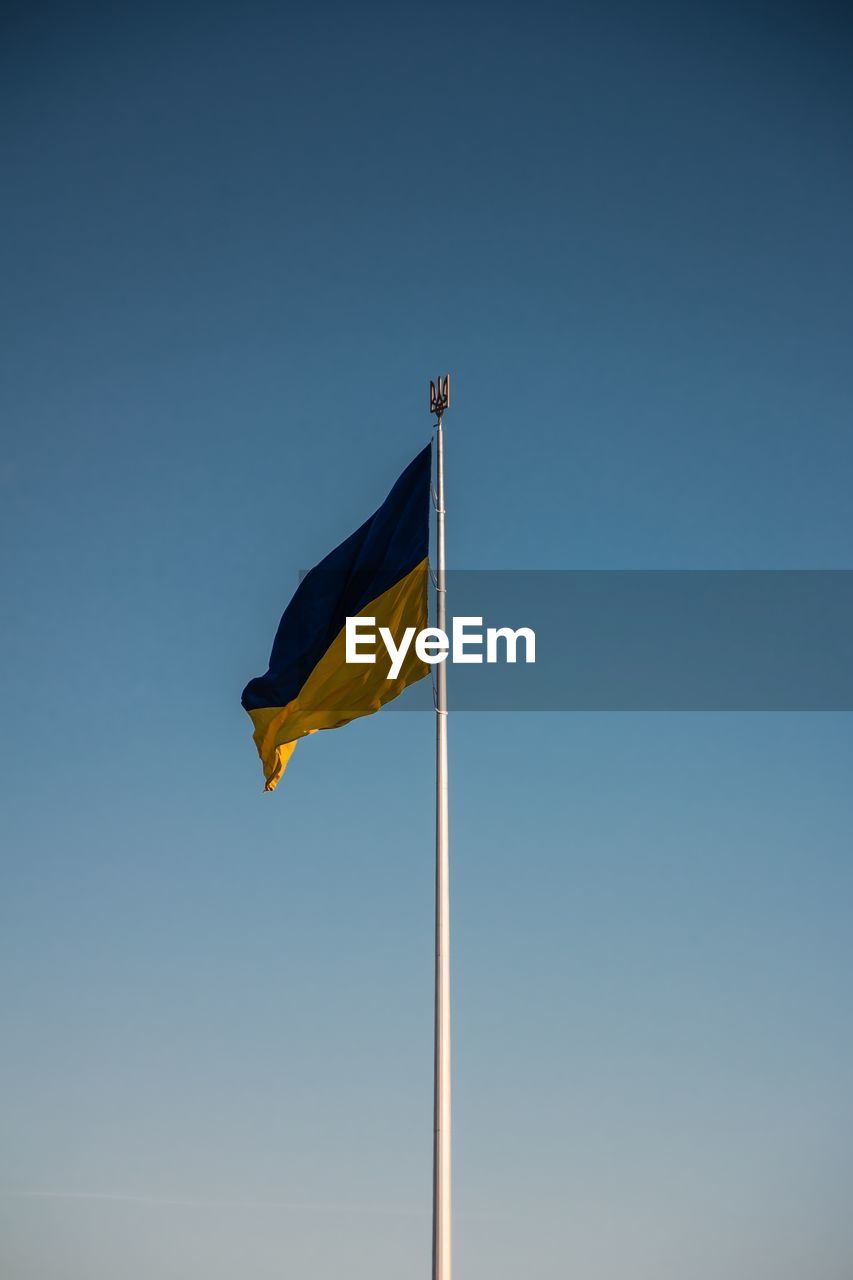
x=237, y=241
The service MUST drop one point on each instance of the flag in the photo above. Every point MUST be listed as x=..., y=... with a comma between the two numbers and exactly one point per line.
x=380, y=571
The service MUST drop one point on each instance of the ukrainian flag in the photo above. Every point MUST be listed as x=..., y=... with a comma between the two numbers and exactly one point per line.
x=381, y=572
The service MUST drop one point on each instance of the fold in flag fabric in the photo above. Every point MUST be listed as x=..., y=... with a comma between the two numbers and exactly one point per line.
x=380, y=571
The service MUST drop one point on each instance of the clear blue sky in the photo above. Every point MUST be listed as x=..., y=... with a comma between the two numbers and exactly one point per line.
x=237, y=241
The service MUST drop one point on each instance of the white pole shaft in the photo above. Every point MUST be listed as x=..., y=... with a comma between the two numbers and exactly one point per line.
x=441, y=1205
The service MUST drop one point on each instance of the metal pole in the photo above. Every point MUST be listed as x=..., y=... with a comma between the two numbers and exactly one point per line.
x=441, y=1204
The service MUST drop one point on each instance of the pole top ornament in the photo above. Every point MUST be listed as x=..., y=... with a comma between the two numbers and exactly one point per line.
x=439, y=395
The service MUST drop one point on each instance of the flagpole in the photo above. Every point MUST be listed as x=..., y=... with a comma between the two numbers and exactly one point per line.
x=441, y=1201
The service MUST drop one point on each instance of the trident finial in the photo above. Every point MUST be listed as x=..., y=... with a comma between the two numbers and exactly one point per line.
x=439, y=395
